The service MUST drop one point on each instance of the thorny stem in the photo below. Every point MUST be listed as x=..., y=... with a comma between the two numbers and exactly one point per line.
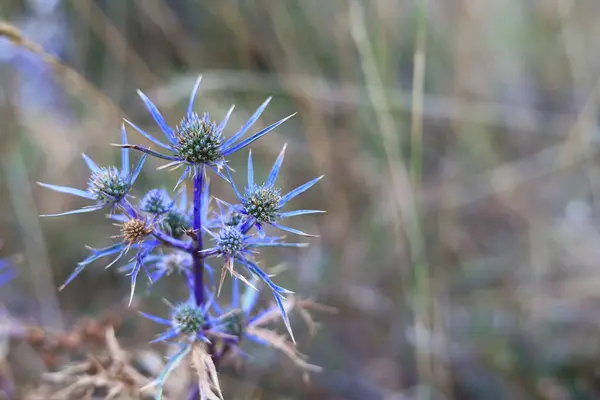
x=197, y=256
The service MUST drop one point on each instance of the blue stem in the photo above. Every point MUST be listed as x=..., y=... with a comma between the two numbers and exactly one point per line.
x=127, y=208
x=168, y=240
x=198, y=257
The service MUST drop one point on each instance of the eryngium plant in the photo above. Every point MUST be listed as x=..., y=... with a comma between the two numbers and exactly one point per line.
x=168, y=237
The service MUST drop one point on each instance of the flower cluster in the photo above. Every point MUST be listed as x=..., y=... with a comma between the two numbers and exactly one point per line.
x=171, y=235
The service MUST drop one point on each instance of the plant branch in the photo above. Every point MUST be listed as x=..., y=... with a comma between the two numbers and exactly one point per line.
x=198, y=245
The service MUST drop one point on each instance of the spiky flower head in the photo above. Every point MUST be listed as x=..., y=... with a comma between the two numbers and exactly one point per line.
x=230, y=240
x=240, y=249
x=137, y=233
x=262, y=202
x=199, y=142
x=176, y=262
x=198, y=139
x=106, y=185
x=233, y=323
x=155, y=201
x=176, y=222
x=135, y=230
x=188, y=318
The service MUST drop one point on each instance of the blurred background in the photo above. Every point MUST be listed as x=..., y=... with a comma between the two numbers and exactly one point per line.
x=459, y=143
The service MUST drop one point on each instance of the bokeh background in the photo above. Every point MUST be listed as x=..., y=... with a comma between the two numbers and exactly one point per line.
x=459, y=143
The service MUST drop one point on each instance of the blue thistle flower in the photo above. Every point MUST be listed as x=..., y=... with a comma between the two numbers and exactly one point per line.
x=234, y=319
x=234, y=245
x=137, y=233
x=106, y=185
x=192, y=325
x=188, y=319
x=263, y=202
x=240, y=319
x=198, y=141
x=175, y=262
x=156, y=201
x=230, y=241
x=229, y=216
x=176, y=222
